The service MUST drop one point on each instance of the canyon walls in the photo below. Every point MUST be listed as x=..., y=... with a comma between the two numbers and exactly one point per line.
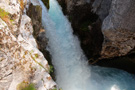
x=110, y=21
x=105, y=29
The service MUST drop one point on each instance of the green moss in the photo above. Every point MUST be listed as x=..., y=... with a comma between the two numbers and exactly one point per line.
x=25, y=86
x=51, y=69
x=54, y=89
x=46, y=2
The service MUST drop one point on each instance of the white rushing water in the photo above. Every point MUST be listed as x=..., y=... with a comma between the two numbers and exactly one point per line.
x=72, y=71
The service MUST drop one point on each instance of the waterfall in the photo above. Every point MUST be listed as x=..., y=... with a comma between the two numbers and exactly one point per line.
x=72, y=70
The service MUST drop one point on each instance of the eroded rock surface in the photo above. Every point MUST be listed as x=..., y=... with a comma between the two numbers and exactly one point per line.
x=20, y=60
x=114, y=17
x=101, y=8
x=119, y=29
x=105, y=29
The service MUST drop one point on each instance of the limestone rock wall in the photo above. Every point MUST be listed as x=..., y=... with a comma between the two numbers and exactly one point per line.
x=21, y=63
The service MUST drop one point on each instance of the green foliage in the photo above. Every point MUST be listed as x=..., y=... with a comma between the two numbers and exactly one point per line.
x=25, y=86
x=51, y=69
x=30, y=87
x=54, y=89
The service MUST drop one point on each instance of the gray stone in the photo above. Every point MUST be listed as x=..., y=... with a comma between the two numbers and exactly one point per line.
x=102, y=7
x=119, y=29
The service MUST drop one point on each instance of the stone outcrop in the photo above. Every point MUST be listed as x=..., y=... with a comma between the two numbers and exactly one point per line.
x=22, y=65
x=119, y=29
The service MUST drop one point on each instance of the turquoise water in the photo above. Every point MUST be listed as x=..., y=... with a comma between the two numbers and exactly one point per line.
x=72, y=70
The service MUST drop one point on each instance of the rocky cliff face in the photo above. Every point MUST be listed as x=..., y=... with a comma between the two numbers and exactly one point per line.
x=119, y=29
x=114, y=17
x=22, y=65
x=105, y=29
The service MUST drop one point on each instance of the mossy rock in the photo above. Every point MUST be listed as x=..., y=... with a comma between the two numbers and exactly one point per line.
x=46, y=2
x=25, y=86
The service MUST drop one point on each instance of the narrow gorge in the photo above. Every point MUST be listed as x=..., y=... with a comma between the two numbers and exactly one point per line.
x=70, y=63
x=67, y=45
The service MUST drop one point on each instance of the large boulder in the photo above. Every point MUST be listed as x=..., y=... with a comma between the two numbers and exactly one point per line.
x=119, y=29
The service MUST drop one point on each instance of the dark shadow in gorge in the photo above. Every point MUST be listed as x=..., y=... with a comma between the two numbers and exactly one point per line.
x=126, y=63
x=87, y=26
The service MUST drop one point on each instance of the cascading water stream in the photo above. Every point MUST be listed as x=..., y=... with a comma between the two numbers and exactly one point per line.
x=72, y=71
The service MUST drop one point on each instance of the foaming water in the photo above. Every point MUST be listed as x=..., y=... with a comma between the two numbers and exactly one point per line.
x=72, y=70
